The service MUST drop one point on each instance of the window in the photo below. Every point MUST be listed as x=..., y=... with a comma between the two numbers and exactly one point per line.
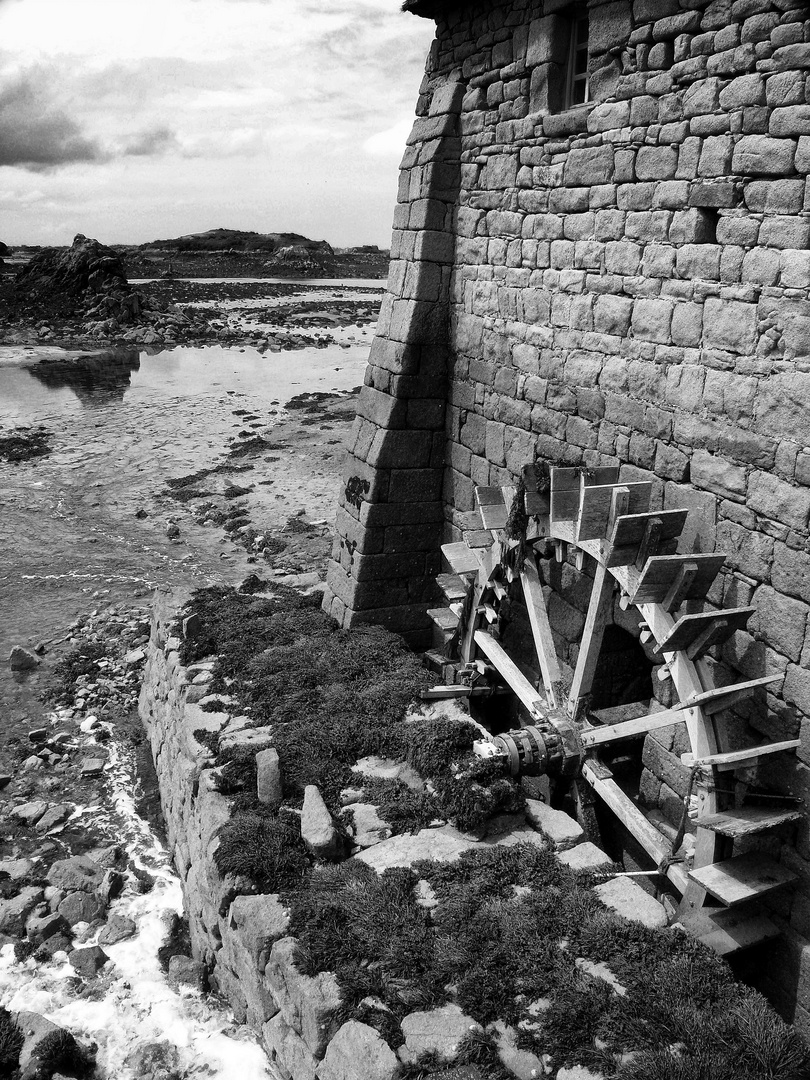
x=577, y=89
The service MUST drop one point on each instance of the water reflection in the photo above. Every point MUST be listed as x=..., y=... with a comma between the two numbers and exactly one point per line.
x=96, y=380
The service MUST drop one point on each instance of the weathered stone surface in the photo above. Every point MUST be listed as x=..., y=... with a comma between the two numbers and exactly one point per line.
x=79, y=907
x=76, y=873
x=21, y=659
x=15, y=910
x=368, y=827
x=183, y=971
x=560, y=828
x=520, y=1063
x=88, y=962
x=35, y=1028
x=268, y=777
x=117, y=929
x=443, y=845
x=54, y=816
x=318, y=831
x=585, y=856
x=307, y=1004
x=628, y=899
x=40, y=928
x=259, y=921
x=28, y=813
x=438, y=1030
x=357, y=1052
x=287, y=1050
x=386, y=769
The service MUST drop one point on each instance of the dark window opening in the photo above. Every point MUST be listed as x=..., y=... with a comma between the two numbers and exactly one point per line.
x=577, y=85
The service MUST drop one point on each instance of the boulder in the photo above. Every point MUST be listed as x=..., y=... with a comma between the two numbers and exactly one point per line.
x=54, y=816
x=21, y=659
x=357, y=1052
x=17, y=869
x=437, y=1031
x=28, y=813
x=520, y=1063
x=15, y=910
x=442, y=845
x=88, y=961
x=183, y=971
x=118, y=927
x=287, y=1050
x=40, y=928
x=154, y=1061
x=318, y=830
x=35, y=1028
x=81, y=907
x=259, y=921
x=78, y=873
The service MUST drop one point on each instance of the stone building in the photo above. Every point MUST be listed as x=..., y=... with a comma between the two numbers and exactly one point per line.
x=601, y=257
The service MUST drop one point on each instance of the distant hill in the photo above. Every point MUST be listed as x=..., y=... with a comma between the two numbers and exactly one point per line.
x=239, y=240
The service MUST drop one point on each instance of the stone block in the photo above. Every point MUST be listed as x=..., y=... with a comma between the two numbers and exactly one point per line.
x=775, y=499
x=610, y=26
x=630, y=901
x=585, y=856
x=656, y=163
x=651, y=320
x=357, y=1052
x=560, y=828
x=759, y=155
x=780, y=620
x=307, y=1004
x=258, y=922
x=730, y=325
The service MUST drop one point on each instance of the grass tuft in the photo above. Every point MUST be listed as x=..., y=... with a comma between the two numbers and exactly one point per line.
x=263, y=848
x=11, y=1042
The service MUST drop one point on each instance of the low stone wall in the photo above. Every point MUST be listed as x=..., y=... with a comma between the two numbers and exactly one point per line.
x=243, y=938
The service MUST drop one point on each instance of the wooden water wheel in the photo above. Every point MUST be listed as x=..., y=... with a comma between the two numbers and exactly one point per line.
x=583, y=516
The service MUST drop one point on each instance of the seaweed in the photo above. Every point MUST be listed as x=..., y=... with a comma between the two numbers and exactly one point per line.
x=11, y=1042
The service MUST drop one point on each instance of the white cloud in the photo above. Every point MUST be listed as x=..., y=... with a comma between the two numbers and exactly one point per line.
x=391, y=142
x=248, y=113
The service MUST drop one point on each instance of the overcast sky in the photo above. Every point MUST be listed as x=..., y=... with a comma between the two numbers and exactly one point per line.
x=132, y=120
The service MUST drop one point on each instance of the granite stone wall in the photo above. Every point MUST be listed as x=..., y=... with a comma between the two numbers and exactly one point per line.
x=622, y=283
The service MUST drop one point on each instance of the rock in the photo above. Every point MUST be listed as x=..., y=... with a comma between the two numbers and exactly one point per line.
x=560, y=828
x=111, y=857
x=192, y=624
x=386, y=769
x=601, y=971
x=368, y=827
x=88, y=962
x=117, y=929
x=21, y=659
x=259, y=921
x=15, y=910
x=81, y=907
x=136, y=656
x=317, y=828
x=92, y=767
x=183, y=971
x=5, y=780
x=287, y=1050
x=32, y=764
x=628, y=899
x=578, y=1072
x=442, y=845
x=54, y=816
x=28, y=813
x=112, y=886
x=78, y=873
x=438, y=1031
x=520, y=1063
x=17, y=869
x=40, y=928
x=172, y=530
x=357, y=1052
x=35, y=1028
x=425, y=895
x=307, y=1004
x=38, y=735
x=268, y=777
x=585, y=856
x=154, y=1061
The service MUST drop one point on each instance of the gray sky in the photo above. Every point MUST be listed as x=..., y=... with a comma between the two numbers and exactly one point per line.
x=132, y=120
